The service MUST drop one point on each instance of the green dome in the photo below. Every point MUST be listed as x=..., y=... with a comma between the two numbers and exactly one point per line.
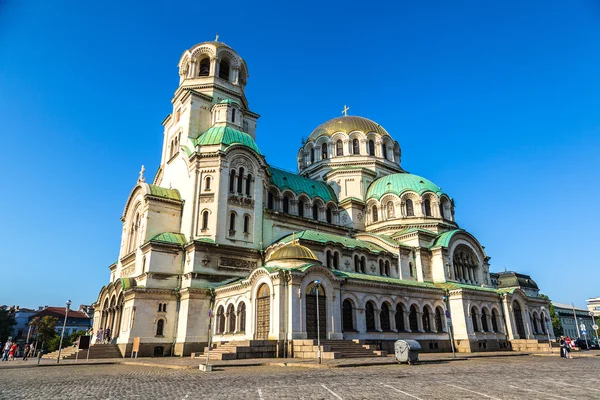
x=226, y=136
x=400, y=183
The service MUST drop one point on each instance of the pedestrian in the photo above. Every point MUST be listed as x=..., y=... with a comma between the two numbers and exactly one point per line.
x=562, y=343
x=568, y=347
x=12, y=352
x=26, y=352
x=31, y=351
x=99, y=336
x=7, y=347
x=107, y=335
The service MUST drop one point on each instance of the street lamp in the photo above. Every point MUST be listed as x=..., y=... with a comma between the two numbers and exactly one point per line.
x=594, y=325
x=449, y=324
x=62, y=334
x=317, y=284
x=547, y=330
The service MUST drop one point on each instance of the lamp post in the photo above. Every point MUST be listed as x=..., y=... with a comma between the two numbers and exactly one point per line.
x=449, y=324
x=317, y=284
x=62, y=333
x=547, y=330
x=594, y=325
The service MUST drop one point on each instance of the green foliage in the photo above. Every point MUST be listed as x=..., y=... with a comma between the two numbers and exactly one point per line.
x=73, y=336
x=556, y=325
x=52, y=344
x=7, y=321
x=45, y=329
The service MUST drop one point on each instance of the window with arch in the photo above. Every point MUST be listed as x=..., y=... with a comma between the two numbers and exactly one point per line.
x=315, y=212
x=411, y=269
x=312, y=155
x=233, y=115
x=324, y=151
x=329, y=215
x=465, y=263
x=224, y=69
x=426, y=319
x=246, y=224
x=439, y=327
x=355, y=146
x=248, y=184
x=301, y=206
x=356, y=264
x=384, y=318
x=370, y=316
x=381, y=270
x=329, y=260
x=484, y=322
x=339, y=148
x=384, y=150
x=242, y=316
x=347, y=316
x=204, y=219
x=410, y=208
x=387, y=268
x=270, y=201
x=427, y=207
x=220, y=320
x=336, y=260
x=240, y=182
x=286, y=204
x=371, y=148
x=160, y=327
x=207, y=183
x=232, y=181
x=391, y=214
x=230, y=319
x=494, y=321
x=134, y=233
x=412, y=319
x=143, y=264
x=474, y=319
x=400, y=317
x=232, y=222
x=363, y=264
x=374, y=215
x=204, y=67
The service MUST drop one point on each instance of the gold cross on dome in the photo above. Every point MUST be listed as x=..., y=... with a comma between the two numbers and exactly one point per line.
x=345, y=110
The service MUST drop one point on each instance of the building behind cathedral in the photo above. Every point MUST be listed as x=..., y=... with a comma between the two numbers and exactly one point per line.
x=221, y=231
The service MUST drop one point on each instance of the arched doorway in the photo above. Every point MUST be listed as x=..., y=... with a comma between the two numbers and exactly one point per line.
x=347, y=315
x=519, y=320
x=311, y=311
x=263, y=312
x=370, y=316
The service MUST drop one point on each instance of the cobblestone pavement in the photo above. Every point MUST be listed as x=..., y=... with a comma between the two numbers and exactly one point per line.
x=478, y=378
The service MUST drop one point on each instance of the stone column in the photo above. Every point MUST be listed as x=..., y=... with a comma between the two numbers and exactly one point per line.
x=377, y=313
x=393, y=320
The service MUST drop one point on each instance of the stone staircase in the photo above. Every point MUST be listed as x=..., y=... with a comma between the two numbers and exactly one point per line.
x=533, y=346
x=240, y=350
x=96, y=351
x=335, y=349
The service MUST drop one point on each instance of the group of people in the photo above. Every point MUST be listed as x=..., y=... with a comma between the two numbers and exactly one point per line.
x=12, y=350
x=565, y=347
x=103, y=335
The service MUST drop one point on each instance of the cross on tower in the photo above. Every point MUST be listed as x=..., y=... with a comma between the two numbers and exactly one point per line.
x=217, y=38
x=345, y=110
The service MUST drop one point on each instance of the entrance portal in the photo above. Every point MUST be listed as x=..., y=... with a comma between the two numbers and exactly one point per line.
x=311, y=312
x=263, y=312
x=519, y=320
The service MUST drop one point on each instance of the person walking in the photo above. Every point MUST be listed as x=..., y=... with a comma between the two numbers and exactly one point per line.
x=99, y=336
x=6, y=349
x=107, y=335
x=562, y=343
x=568, y=347
x=12, y=352
x=26, y=352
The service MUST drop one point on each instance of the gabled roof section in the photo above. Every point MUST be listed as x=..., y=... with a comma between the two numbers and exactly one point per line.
x=226, y=136
x=412, y=230
x=170, y=238
x=299, y=184
x=443, y=240
x=325, y=238
x=171, y=194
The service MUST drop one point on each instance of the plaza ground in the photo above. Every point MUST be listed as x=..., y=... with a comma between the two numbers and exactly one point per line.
x=501, y=378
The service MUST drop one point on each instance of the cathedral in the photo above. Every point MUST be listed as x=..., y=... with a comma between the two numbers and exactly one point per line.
x=222, y=246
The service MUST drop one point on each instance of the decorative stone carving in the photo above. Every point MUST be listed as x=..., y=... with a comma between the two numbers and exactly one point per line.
x=207, y=198
x=127, y=271
x=237, y=263
x=240, y=201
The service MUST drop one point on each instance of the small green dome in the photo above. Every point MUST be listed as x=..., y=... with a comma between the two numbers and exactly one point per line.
x=400, y=183
x=227, y=136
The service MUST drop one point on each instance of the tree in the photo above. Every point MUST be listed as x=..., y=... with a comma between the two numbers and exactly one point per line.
x=556, y=324
x=45, y=328
x=7, y=321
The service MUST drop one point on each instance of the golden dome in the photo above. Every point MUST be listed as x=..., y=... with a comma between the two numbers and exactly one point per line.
x=347, y=124
x=293, y=251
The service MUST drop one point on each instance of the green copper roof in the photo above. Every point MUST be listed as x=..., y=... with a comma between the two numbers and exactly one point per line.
x=444, y=239
x=299, y=184
x=229, y=101
x=453, y=286
x=400, y=183
x=412, y=230
x=172, y=238
x=172, y=194
x=384, y=238
x=127, y=283
x=384, y=279
x=227, y=136
x=324, y=238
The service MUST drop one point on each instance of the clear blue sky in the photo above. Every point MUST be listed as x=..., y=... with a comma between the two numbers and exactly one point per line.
x=496, y=102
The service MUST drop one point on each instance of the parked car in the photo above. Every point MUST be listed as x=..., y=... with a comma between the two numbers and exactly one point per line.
x=594, y=345
x=580, y=343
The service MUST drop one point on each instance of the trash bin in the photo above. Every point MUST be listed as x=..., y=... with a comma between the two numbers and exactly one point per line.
x=407, y=351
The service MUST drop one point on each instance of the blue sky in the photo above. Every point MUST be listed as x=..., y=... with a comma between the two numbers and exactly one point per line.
x=496, y=102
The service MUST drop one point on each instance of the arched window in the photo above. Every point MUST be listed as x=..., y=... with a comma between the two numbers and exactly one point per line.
x=144, y=264
x=232, y=222
x=484, y=323
x=356, y=264
x=286, y=204
x=246, y=224
x=233, y=115
x=339, y=148
x=301, y=208
x=232, y=181
x=347, y=315
x=370, y=316
x=363, y=265
x=312, y=155
x=410, y=209
x=224, y=70
x=205, y=219
x=242, y=316
x=315, y=212
x=384, y=318
x=384, y=150
x=410, y=269
x=240, y=183
x=220, y=320
x=494, y=321
x=248, y=184
x=426, y=320
x=427, y=208
x=204, y=67
x=381, y=272
x=391, y=214
x=474, y=320
x=328, y=262
x=438, y=320
x=324, y=151
x=387, y=268
x=371, y=148
x=230, y=319
x=518, y=313
x=270, y=200
x=374, y=214
x=160, y=327
x=355, y=147
x=412, y=319
x=399, y=317
x=336, y=260
x=207, y=183
x=328, y=215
